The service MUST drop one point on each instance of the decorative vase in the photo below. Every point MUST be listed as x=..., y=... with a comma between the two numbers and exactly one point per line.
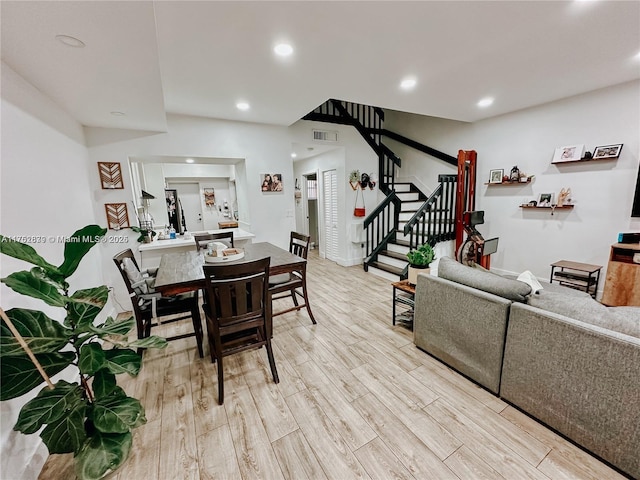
x=413, y=273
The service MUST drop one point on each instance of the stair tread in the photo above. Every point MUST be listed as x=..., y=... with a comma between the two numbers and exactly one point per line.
x=396, y=255
x=386, y=268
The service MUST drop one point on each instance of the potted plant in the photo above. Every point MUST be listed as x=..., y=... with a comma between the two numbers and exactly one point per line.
x=146, y=234
x=419, y=261
x=91, y=417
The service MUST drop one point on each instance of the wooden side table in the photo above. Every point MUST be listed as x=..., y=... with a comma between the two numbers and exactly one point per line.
x=404, y=297
x=622, y=283
x=581, y=276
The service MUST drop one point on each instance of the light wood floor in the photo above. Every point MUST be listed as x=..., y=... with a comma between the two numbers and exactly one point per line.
x=356, y=399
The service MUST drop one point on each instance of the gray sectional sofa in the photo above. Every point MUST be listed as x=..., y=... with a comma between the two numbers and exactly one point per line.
x=558, y=355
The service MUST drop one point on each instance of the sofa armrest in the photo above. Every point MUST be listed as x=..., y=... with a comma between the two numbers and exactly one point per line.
x=579, y=379
x=462, y=326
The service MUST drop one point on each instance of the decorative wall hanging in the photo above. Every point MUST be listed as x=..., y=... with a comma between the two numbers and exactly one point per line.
x=209, y=197
x=110, y=175
x=271, y=182
x=117, y=215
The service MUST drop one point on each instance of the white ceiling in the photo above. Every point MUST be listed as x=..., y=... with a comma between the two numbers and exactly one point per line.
x=146, y=59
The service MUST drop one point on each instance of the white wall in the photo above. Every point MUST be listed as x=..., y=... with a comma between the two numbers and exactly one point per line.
x=351, y=153
x=602, y=190
x=45, y=178
x=265, y=148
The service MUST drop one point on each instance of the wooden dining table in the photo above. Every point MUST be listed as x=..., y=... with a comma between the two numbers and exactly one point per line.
x=182, y=272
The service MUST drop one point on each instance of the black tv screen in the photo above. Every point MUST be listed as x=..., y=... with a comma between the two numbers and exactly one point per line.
x=635, y=209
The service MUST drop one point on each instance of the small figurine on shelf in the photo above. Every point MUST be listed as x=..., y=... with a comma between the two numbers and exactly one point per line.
x=515, y=174
x=564, y=197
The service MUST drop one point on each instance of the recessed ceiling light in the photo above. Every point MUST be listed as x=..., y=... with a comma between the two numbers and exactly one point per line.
x=118, y=114
x=283, y=49
x=485, y=102
x=408, y=83
x=294, y=155
x=242, y=106
x=189, y=160
x=70, y=41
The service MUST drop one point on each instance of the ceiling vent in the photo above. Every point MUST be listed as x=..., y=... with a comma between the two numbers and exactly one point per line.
x=325, y=135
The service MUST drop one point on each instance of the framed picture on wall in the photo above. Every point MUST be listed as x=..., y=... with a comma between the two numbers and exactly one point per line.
x=545, y=199
x=271, y=182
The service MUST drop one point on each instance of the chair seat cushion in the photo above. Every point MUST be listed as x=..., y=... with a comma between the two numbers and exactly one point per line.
x=279, y=279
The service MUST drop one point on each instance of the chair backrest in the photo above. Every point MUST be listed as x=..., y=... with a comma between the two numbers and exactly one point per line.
x=203, y=238
x=238, y=294
x=123, y=260
x=299, y=244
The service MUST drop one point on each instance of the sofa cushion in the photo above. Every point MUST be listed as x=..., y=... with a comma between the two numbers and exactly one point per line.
x=585, y=309
x=482, y=279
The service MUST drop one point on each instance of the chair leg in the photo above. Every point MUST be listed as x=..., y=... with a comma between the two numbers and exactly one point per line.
x=220, y=382
x=197, y=327
x=294, y=297
x=272, y=361
x=306, y=300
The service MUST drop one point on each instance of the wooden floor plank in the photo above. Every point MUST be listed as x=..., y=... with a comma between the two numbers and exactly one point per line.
x=216, y=455
x=466, y=464
x=296, y=458
x=380, y=462
x=333, y=452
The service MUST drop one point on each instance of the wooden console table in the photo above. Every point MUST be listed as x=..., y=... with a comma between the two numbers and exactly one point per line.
x=581, y=276
x=622, y=283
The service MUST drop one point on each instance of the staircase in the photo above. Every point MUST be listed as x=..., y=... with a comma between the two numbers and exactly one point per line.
x=406, y=218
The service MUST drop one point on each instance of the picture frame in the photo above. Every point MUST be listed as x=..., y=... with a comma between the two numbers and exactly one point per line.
x=568, y=153
x=546, y=200
x=495, y=176
x=607, y=151
x=110, y=175
x=117, y=215
x=271, y=182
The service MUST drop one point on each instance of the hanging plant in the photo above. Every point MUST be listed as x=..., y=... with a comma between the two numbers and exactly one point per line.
x=92, y=417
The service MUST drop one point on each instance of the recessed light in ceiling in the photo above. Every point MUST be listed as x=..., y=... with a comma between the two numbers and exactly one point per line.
x=242, y=106
x=283, y=49
x=408, y=83
x=189, y=160
x=118, y=114
x=294, y=155
x=485, y=102
x=70, y=41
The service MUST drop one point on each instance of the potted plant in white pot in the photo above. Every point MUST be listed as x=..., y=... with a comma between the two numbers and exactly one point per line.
x=419, y=261
x=91, y=417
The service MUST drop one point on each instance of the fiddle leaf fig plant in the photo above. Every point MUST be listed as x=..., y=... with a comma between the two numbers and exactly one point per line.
x=92, y=417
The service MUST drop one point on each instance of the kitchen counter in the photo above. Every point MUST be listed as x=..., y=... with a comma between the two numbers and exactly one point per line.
x=150, y=253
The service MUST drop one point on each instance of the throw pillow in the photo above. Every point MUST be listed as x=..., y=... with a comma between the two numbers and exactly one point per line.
x=482, y=279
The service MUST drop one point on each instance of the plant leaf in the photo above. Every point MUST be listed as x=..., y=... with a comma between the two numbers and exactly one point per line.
x=77, y=247
x=117, y=414
x=114, y=327
x=48, y=406
x=104, y=383
x=86, y=304
x=27, y=284
x=19, y=375
x=25, y=252
x=41, y=333
x=150, y=342
x=67, y=434
x=123, y=360
x=103, y=452
x=92, y=358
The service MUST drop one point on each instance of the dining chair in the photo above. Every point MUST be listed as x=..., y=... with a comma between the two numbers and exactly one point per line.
x=150, y=306
x=238, y=312
x=202, y=239
x=293, y=284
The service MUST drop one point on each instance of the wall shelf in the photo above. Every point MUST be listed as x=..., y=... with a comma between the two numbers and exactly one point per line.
x=564, y=207
x=504, y=184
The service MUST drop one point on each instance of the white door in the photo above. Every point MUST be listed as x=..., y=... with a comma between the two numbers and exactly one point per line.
x=330, y=199
x=189, y=195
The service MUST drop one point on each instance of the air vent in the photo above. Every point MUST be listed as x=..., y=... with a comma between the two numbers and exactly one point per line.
x=325, y=135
